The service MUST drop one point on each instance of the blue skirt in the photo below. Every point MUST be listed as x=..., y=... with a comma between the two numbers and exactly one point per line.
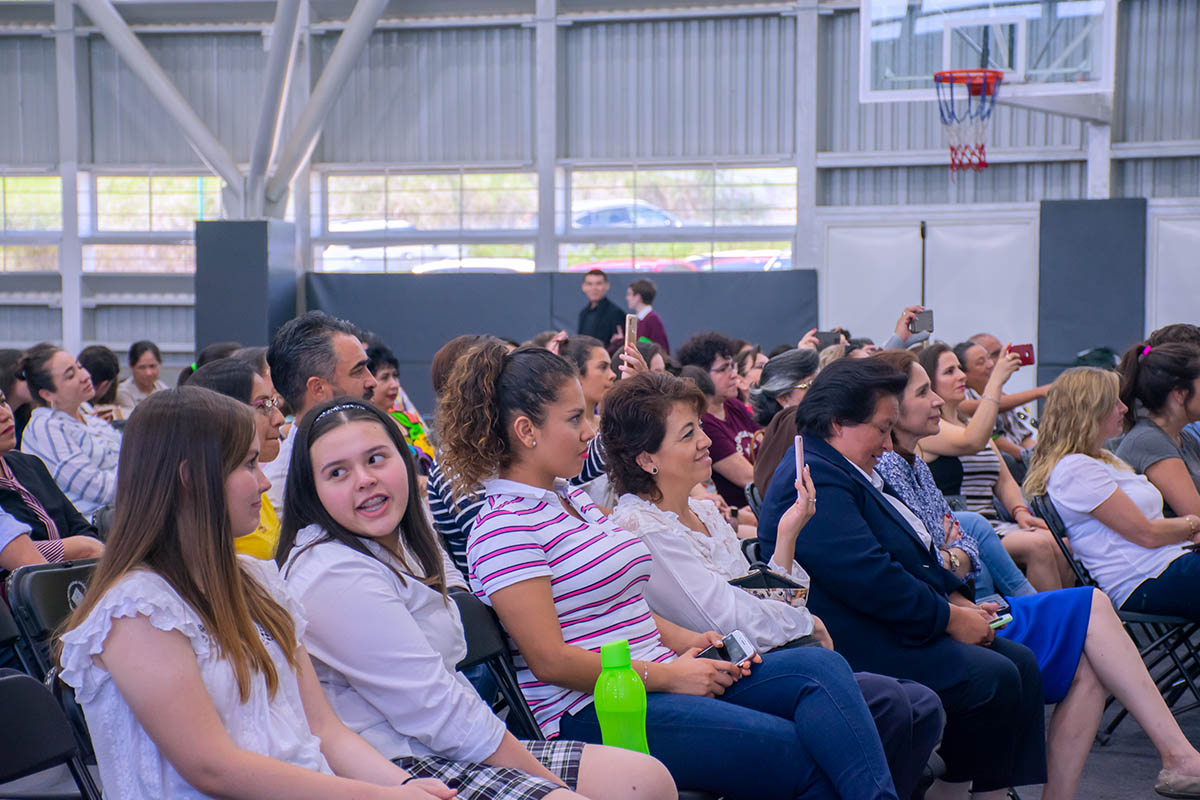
x=1053, y=625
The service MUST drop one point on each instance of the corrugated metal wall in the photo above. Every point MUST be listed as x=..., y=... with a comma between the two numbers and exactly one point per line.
x=703, y=88
x=28, y=113
x=451, y=96
x=1158, y=71
x=220, y=75
x=1001, y=183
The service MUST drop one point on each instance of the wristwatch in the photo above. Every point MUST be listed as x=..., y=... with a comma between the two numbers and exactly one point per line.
x=952, y=557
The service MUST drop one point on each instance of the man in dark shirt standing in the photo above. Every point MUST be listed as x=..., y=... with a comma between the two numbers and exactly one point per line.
x=601, y=317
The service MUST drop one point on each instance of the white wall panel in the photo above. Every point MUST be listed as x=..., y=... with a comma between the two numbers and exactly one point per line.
x=870, y=272
x=1173, y=268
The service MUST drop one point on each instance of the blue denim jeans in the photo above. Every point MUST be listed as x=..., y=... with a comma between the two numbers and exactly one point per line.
x=796, y=727
x=998, y=574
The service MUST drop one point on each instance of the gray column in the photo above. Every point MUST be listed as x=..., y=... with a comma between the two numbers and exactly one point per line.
x=70, y=250
x=545, y=141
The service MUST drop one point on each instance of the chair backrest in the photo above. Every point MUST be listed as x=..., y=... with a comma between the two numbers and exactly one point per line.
x=753, y=498
x=42, y=597
x=487, y=645
x=64, y=695
x=1044, y=508
x=35, y=734
x=12, y=650
x=751, y=551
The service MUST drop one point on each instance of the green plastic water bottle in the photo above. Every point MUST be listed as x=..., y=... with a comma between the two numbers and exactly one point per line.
x=620, y=699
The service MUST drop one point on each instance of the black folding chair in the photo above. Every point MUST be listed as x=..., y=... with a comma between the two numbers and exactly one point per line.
x=36, y=736
x=753, y=498
x=751, y=551
x=486, y=645
x=42, y=596
x=12, y=647
x=1164, y=642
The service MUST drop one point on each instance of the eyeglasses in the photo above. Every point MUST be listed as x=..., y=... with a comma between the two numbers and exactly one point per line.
x=265, y=407
x=728, y=366
x=805, y=385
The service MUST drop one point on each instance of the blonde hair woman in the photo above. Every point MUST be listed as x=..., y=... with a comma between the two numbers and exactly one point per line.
x=1114, y=516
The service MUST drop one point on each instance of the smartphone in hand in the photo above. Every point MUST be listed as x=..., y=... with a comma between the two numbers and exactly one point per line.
x=737, y=649
x=631, y=322
x=921, y=321
x=799, y=455
x=1024, y=352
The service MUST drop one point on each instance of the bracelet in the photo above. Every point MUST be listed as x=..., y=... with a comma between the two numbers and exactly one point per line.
x=989, y=397
x=1017, y=509
x=645, y=672
x=409, y=778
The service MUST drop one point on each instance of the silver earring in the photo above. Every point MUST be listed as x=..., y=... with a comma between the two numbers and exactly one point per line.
x=533, y=443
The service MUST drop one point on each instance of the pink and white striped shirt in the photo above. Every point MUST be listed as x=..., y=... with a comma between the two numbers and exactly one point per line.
x=597, y=573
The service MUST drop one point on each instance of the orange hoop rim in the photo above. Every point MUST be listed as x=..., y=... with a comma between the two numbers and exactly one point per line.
x=977, y=81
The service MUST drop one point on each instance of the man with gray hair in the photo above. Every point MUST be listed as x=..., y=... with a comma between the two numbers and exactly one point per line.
x=314, y=357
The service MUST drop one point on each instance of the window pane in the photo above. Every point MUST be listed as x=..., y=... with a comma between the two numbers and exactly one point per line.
x=31, y=203
x=123, y=204
x=178, y=202
x=676, y=257
x=357, y=197
x=762, y=196
x=502, y=200
x=425, y=258
x=430, y=202
x=29, y=258
x=139, y=258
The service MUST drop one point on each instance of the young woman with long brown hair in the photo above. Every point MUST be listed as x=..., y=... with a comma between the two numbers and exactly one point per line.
x=186, y=658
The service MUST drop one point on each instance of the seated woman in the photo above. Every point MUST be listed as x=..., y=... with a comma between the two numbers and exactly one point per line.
x=750, y=361
x=564, y=580
x=882, y=593
x=104, y=368
x=1161, y=383
x=1114, y=516
x=964, y=461
x=80, y=450
x=357, y=552
x=235, y=378
x=390, y=398
x=656, y=454
x=781, y=387
x=145, y=361
x=453, y=516
x=1083, y=651
x=185, y=658
x=51, y=528
x=15, y=389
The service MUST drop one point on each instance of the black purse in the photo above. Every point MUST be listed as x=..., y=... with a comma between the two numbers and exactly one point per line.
x=767, y=585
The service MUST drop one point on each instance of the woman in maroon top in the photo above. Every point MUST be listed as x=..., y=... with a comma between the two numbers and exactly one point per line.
x=728, y=423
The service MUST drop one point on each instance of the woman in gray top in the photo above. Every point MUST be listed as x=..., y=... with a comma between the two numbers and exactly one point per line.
x=1160, y=385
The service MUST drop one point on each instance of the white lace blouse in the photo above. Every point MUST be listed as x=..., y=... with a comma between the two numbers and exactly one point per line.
x=690, y=574
x=131, y=766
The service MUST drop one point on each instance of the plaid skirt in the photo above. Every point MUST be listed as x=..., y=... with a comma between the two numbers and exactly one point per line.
x=481, y=782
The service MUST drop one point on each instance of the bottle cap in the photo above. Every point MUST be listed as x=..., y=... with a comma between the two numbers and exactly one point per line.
x=614, y=654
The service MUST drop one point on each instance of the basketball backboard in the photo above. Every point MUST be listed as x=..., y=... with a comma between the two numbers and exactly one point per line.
x=1045, y=48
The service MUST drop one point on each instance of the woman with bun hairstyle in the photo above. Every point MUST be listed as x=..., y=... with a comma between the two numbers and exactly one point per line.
x=564, y=580
x=358, y=553
x=186, y=658
x=1159, y=388
x=80, y=450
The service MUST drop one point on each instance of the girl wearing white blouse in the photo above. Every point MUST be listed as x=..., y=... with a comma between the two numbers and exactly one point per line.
x=186, y=658
x=358, y=552
x=656, y=454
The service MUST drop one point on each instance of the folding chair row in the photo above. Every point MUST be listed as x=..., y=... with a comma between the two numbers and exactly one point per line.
x=42, y=596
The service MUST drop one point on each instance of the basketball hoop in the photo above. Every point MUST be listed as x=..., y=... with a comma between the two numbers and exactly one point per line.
x=966, y=113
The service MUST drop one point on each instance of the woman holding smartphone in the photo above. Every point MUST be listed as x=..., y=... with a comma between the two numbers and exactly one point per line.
x=564, y=580
x=185, y=658
x=657, y=452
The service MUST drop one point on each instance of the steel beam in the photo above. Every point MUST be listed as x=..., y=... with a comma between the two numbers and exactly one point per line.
x=215, y=156
x=333, y=77
x=545, y=138
x=70, y=247
x=275, y=87
x=805, y=252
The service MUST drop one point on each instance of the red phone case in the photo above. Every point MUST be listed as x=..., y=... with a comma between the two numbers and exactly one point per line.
x=1025, y=351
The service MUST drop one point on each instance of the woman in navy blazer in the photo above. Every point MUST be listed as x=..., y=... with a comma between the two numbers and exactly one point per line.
x=885, y=599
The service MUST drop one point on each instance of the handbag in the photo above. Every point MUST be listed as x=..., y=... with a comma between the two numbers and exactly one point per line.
x=767, y=585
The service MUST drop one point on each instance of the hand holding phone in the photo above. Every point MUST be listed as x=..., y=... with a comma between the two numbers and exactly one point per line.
x=799, y=442
x=736, y=649
x=921, y=321
x=1023, y=352
x=631, y=322
x=827, y=339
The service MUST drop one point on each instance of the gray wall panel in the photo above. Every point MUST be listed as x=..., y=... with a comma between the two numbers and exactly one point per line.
x=444, y=95
x=1157, y=94
x=27, y=101
x=1157, y=177
x=220, y=75
x=703, y=88
x=999, y=183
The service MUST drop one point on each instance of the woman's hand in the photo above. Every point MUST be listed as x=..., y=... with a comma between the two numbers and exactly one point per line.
x=1029, y=522
x=1006, y=366
x=704, y=677
x=633, y=364
x=906, y=317
x=556, y=343
x=801, y=511
x=424, y=788
x=809, y=341
x=969, y=625
x=951, y=529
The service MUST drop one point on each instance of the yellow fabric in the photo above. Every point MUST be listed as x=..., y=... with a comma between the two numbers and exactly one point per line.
x=264, y=540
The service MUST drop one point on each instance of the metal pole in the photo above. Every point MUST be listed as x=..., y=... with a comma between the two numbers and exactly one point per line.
x=279, y=70
x=922, y=263
x=126, y=43
x=70, y=248
x=343, y=58
x=545, y=249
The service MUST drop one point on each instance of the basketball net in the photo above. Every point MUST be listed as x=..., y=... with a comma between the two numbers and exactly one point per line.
x=966, y=99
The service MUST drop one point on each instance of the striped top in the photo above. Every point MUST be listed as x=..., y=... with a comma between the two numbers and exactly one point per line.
x=981, y=471
x=597, y=575
x=81, y=456
x=453, y=523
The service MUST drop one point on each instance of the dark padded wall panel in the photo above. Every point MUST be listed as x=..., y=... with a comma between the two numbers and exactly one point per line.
x=1092, y=286
x=767, y=308
x=246, y=280
x=417, y=314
